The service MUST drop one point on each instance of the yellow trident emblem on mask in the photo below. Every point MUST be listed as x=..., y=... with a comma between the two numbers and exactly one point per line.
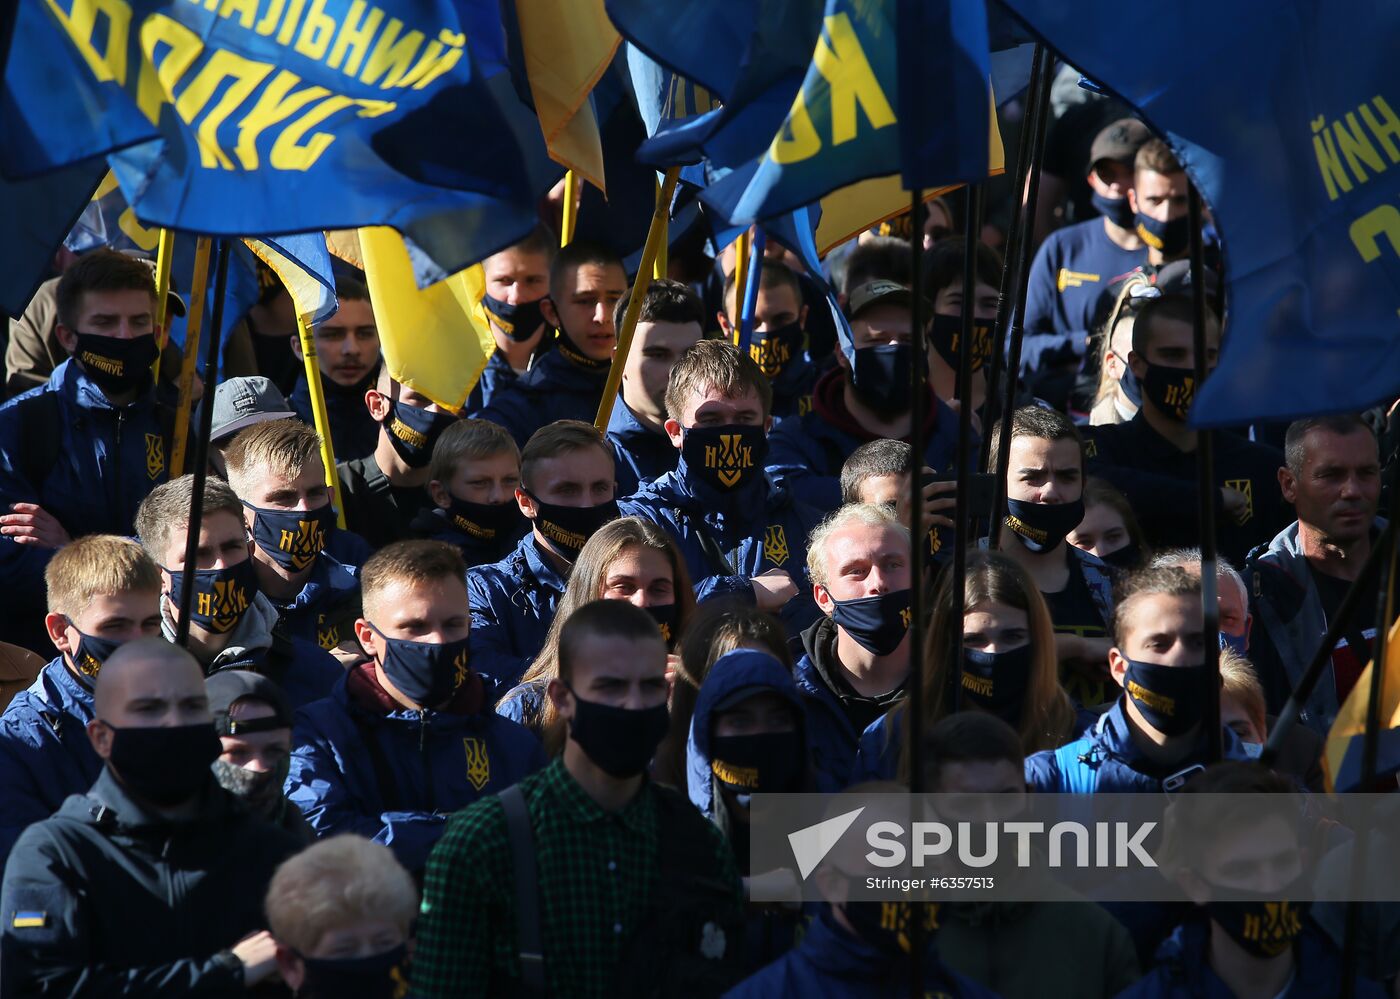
x=730, y=460
x=770, y=355
x=303, y=544
x=478, y=762
x=224, y=607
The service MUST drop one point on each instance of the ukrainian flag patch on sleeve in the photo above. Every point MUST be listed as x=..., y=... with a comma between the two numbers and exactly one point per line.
x=29, y=919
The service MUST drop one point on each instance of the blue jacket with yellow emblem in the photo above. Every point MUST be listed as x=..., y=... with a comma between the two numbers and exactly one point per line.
x=44, y=751
x=727, y=539
x=640, y=454
x=87, y=462
x=512, y=603
x=834, y=963
x=363, y=763
x=325, y=610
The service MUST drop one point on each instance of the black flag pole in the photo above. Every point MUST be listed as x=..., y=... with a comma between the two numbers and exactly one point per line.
x=962, y=516
x=1013, y=236
x=1205, y=491
x=201, y=446
x=1022, y=275
x=918, y=382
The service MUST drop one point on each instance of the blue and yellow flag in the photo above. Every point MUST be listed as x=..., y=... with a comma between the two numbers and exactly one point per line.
x=1346, y=737
x=38, y=213
x=304, y=264
x=1287, y=117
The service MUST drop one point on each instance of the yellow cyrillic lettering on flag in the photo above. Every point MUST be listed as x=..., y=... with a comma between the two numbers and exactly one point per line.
x=435, y=340
x=568, y=46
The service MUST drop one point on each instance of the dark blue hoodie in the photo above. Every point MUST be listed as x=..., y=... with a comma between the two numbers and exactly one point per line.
x=640, y=454
x=562, y=385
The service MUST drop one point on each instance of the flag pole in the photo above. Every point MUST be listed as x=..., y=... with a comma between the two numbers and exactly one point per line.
x=201, y=445
x=963, y=519
x=570, y=208
x=1017, y=329
x=741, y=280
x=317, y=392
x=754, y=278
x=165, y=251
x=918, y=387
x=1034, y=107
x=662, y=266
x=655, y=236
x=193, y=328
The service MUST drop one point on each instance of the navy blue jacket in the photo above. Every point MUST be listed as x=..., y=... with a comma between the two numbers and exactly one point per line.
x=1105, y=758
x=808, y=451
x=513, y=603
x=347, y=548
x=1183, y=970
x=44, y=751
x=555, y=388
x=792, y=389
x=325, y=610
x=831, y=962
x=497, y=376
x=354, y=432
x=107, y=899
x=640, y=454
x=759, y=527
x=364, y=764
x=108, y=459
x=435, y=524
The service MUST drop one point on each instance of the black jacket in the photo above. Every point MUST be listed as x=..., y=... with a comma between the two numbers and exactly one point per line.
x=375, y=508
x=106, y=899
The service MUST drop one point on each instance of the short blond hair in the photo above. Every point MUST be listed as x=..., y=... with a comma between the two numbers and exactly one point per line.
x=337, y=883
x=870, y=514
x=469, y=440
x=97, y=565
x=411, y=562
x=167, y=510
x=1240, y=683
x=280, y=449
x=555, y=439
x=718, y=365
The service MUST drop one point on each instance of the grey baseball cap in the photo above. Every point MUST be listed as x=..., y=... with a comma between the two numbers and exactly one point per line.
x=879, y=293
x=242, y=402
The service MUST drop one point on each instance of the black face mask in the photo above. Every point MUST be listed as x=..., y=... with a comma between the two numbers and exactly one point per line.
x=570, y=352
x=880, y=378
x=877, y=624
x=1171, y=390
x=1127, y=557
x=727, y=457
x=292, y=538
x=379, y=976
x=747, y=764
x=945, y=335
x=115, y=364
x=1116, y=210
x=665, y=617
x=1042, y=526
x=1168, y=238
x=221, y=596
x=485, y=522
x=888, y=926
x=997, y=681
x=1172, y=699
x=413, y=432
x=518, y=322
x=427, y=673
x=1131, y=389
x=773, y=350
x=621, y=741
x=568, y=528
x=90, y=654
x=1264, y=925
x=164, y=765
x=260, y=790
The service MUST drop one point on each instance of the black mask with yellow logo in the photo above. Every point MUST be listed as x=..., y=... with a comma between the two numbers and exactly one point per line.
x=116, y=364
x=773, y=350
x=1171, y=390
x=221, y=596
x=725, y=457
x=413, y=432
x=90, y=654
x=292, y=538
x=945, y=336
x=1264, y=924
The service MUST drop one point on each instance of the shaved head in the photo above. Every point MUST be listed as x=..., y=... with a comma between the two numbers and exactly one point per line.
x=144, y=671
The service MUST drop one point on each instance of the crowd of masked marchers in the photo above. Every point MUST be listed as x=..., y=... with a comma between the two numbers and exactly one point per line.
x=486, y=716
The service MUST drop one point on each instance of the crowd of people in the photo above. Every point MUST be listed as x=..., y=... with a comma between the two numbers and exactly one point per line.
x=485, y=716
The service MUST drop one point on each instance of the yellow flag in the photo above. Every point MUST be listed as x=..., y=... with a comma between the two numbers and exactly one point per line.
x=1347, y=735
x=436, y=340
x=568, y=45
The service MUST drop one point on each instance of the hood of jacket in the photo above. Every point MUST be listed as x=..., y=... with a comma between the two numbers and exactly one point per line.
x=743, y=669
x=252, y=635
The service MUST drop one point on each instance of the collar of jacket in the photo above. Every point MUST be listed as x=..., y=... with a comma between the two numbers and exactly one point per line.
x=252, y=635
x=735, y=515
x=328, y=576
x=363, y=690
x=555, y=371
x=820, y=643
x=69, y=380
x=60, y=689
x=1113, y=735
x=539, y=566
x=1316, y=963
x=107, y=801
x=632, y=433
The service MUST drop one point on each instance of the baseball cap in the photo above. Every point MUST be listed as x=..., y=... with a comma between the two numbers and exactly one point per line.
x=230, y=685
x=879, y=293
x=1119, y=141
x=242, y=402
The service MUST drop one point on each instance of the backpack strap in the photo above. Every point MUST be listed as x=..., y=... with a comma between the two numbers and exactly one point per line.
x=527, y=889
x=1079, y=769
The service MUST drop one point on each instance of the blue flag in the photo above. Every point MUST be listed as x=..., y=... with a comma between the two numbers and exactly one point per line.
x=304, y=264
x=275, y=117
x=38, y=213
x=1287, y=118
x=943, y=65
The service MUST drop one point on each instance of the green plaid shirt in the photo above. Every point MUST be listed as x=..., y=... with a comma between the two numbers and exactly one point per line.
x=597, y=873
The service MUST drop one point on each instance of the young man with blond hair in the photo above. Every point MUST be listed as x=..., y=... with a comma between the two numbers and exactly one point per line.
x=233, y=625
x=474, y=474
x=102, y=591
x=408, y=735
x=275, y=469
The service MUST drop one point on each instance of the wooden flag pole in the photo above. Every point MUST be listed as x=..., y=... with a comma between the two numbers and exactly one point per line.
x=322, y=420
x=655, y=236
x=193, y=326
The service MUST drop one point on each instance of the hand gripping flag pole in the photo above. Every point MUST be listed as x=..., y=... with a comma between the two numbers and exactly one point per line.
x=193, y=328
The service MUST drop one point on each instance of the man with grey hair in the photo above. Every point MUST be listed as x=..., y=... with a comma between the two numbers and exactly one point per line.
x=1232, y=598
x=112, y=895
x=857, y=653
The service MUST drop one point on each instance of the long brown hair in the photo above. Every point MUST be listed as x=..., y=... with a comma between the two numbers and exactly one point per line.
x=1047, y=716
x=586, y=585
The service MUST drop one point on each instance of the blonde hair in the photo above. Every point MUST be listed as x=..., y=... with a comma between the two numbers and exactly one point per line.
x=337, y=883
x=469, y=440
x=1240, y=683
x=1046, y=712
x=869, y=514
x=1123, y=311
x=280, y=449
x=166, y=510
x=555, y=439
x=97, y=565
